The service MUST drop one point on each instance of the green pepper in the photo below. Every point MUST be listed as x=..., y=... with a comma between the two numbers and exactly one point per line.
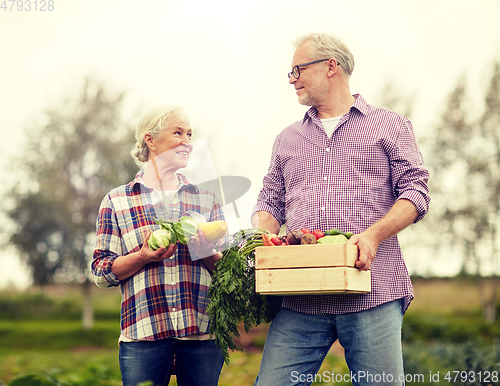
x=335, y=232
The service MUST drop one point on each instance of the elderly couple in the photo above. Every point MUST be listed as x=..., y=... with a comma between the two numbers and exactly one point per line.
x=368, y=177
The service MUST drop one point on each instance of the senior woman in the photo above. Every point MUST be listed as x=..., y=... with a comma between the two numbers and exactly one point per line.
x=164, y=292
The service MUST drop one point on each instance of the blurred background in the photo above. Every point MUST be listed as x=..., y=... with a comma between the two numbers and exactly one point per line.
x=75, y=77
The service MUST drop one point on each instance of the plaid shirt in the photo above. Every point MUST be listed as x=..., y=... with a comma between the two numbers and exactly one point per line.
x=164, y=299
x=348, y=182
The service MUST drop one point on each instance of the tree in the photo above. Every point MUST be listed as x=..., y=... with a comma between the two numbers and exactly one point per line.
x=391, y=98
x=78, y=155
x=465, y=186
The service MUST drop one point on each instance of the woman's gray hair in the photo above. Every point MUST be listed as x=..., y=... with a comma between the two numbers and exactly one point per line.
x=152, y=122
x=326, y=46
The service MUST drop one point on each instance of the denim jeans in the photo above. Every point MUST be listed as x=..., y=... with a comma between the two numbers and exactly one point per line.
x=198, y=362
x=297, y=344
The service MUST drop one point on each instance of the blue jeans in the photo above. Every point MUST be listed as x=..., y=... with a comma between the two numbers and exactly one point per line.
x=198, y=362
x=297, y=344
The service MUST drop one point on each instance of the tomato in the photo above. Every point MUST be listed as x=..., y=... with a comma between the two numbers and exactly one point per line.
x=318, y=234
x=305, y=230
x=276, y=240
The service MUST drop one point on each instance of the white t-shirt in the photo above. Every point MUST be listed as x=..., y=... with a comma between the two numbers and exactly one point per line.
x=330, y=124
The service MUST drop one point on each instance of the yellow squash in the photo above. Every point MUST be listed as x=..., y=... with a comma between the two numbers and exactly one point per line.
x=213, y=230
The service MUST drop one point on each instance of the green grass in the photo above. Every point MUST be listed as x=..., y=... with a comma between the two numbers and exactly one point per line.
x=68, y=365
x=41, y=334
x=54, y=335
x=63, y=364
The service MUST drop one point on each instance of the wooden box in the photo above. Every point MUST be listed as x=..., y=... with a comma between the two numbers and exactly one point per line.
x=309, y=269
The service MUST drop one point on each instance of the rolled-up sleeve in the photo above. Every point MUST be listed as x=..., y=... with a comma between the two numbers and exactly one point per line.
x=271, y=197
x=409, y=175
x=107, y=245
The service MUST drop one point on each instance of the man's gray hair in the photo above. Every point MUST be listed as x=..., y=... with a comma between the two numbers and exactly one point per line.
x=326, y=46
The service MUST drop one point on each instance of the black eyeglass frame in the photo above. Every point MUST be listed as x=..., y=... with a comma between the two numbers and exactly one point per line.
x=297, y=67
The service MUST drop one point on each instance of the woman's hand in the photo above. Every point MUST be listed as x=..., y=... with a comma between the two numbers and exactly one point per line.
x=126, y=266
x=204, y=250
x=200, y=247
x=149, y=256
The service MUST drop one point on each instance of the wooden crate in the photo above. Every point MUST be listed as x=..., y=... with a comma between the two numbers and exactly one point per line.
x=309, y=269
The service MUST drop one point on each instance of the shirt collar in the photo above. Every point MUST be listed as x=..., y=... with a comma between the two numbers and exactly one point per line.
x=359, y=104
x=183, y=182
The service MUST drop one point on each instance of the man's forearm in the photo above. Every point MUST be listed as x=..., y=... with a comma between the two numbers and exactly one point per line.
x=402, y=214
x=267, y=221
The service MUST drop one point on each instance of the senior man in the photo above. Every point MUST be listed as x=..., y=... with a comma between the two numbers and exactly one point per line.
x=355, y=167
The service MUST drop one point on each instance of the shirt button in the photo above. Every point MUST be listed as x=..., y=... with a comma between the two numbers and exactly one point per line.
x=173, y=309
x=173, y=283
x=325, y=178
x=327, y=149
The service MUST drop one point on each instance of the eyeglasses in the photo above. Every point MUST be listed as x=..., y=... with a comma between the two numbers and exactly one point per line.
x=296, y=70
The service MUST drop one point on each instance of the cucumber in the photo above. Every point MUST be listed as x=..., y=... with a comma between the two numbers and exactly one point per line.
x=337, y=239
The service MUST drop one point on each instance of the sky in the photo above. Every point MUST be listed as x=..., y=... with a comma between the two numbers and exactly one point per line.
x=225, y=62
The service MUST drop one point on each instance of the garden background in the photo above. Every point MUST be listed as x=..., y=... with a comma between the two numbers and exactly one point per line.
x=75, y=76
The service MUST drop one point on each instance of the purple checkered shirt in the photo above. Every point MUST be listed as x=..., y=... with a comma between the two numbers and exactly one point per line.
x=348, y=182
x=164, y=299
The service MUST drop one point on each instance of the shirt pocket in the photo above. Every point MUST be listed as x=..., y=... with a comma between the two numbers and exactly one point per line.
x=367, y=165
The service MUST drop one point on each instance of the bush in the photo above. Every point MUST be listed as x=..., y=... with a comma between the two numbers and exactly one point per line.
x=450, y=328
x=32, y=380
x=29, y=306
x=66, y=306
x=444, y=357
x=91, y=376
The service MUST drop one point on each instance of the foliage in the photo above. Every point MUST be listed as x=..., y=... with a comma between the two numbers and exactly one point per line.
x=70, y=162
x=436, y=338
x=465, y=184
x=451, y=328
x=59, y=302
x=390, y=98
x=443, y=357
x=37, y=306
x=55, y=335
x=93, y=375
x=232, y=292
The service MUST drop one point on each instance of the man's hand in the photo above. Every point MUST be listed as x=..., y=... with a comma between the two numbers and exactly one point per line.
x=367, y=245
x=402, y=214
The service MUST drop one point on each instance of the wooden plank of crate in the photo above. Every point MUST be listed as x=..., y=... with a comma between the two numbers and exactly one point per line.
x=307, y=281
x=301, y=256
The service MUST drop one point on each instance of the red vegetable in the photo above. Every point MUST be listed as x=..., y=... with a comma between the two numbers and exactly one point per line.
x=276, y=240
x=305, y=230
x=318, y=234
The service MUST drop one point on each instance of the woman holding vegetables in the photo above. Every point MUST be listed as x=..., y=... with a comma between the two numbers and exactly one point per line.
x=164, y=291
